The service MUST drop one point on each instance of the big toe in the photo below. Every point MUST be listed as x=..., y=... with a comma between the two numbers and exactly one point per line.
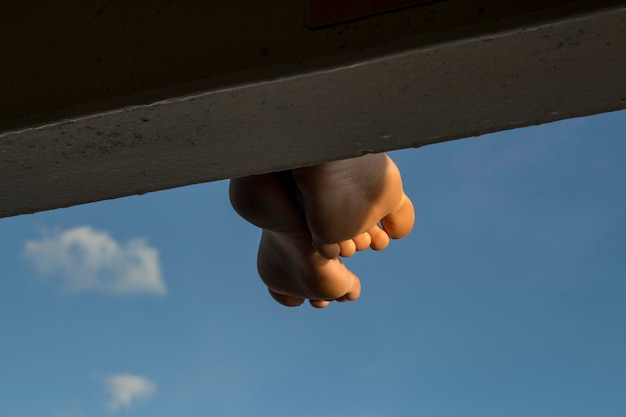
x=400, y=221
x=354, y=293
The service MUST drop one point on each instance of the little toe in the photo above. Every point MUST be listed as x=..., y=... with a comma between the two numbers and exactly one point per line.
x=380, y=239
x=399, y=222
x=286, y=300
x=362, y=241
x=319, y=303
x=347, y=248
x=327, y=250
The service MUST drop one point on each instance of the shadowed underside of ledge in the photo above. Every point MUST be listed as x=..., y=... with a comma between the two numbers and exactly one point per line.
x=119, y=99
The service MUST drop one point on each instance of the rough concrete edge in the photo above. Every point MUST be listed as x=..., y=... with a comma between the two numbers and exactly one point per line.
x=262, y=86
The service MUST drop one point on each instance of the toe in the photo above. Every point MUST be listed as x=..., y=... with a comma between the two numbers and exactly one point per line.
x=286, y=300
x=380, y=239
x=327, y=250
x=319, y=303
x=399, y=222
x=347, y=248
x=354, y=294
x=362, y=241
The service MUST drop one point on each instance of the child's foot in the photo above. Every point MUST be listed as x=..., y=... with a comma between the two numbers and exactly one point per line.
x=287, y=262
x=344, y=201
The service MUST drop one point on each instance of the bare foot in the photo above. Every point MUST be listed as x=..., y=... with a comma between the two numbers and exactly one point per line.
x=287, y=262
x=344, y=201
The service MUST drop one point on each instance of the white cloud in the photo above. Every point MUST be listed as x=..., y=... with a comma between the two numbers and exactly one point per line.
x=86, y=259
x=124, y=389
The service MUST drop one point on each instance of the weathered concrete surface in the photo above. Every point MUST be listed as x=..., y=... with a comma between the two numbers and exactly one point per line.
x=214, y=101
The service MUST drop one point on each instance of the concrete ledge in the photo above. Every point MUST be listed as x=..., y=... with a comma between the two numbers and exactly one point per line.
x=373, y=85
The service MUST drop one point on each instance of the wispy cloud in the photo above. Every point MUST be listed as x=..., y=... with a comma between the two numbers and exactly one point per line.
x=124, y=389
x=85, y=259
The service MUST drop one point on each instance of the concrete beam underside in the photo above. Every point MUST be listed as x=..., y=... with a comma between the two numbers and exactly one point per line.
x=115, y=99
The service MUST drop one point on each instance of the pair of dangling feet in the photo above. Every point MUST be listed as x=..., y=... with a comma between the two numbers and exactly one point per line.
x=311, y=217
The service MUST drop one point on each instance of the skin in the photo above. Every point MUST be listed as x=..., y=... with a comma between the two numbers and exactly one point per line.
x=311, y=216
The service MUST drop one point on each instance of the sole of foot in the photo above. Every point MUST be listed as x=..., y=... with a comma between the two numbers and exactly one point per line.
x=354, y=204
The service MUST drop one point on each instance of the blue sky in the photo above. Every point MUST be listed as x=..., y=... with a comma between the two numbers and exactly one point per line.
x=508, y=299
